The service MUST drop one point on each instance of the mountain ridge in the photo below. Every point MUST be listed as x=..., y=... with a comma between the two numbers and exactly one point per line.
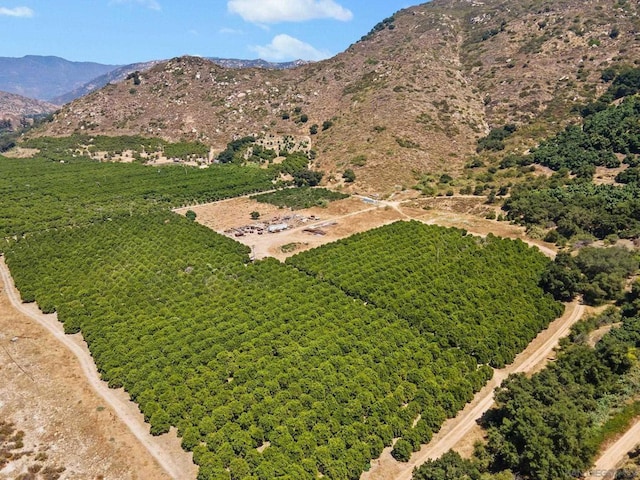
x=59, y=81
x=410, y=99
x=24, y=76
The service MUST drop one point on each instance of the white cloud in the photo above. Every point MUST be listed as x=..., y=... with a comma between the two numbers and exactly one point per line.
x=284, y=48
x=230, y=31
x=274, y=11
x=151, y=4
x=24, y=12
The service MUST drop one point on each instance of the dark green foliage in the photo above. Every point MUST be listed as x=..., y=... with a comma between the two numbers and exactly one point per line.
x=510, y=161
x=608, y=74
x=626, y=83
x=593, y=261
x=495, y=140
x=632, y=160
x=572, y=149
x=349, y=175
x=597, y=273
x=542, y=427
x=480, y=295
x=191, y=215
x=448, y=467
x=294, y=162
x=307, y=178
x=160, y=422
x=39, y=194
x=474, y=163
x=630, y=175
x=605, y=270
x=326, y=125
x=547, y=426
x=298, y=198
x=184, y=150
x=380, y=26
x=260, y=154
x=599, y=210
x=402, y=450
x=313, y=129
x=239, y=354
x=605, y=132
x=135, y=76
x=579, y=333
x=445, y=178
x=631, y=303
x=562, y=278
x=235, y=150
x=8, y=141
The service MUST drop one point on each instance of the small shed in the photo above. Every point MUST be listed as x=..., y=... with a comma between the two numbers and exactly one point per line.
x=278, y=227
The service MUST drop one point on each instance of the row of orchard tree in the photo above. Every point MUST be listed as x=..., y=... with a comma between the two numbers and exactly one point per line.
x=41, y=194
x=480, y=295
x=265, y=370
x=239, y=355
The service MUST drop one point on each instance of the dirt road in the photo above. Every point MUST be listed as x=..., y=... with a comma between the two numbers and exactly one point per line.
x=164, y=449
x=615, y=454
x=455, y=430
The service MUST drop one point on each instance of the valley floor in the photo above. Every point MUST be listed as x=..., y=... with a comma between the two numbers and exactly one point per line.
x=46, y=393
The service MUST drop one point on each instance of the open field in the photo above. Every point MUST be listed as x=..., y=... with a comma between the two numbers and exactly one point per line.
x=351, y=215
x=45, y=393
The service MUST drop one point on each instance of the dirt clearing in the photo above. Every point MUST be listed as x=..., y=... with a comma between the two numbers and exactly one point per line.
x=340, y=219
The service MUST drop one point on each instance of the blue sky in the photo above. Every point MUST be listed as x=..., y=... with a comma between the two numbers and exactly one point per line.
x=128, y=31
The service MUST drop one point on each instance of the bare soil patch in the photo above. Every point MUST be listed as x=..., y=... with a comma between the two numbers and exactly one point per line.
x=477, y=226
x=45, y=394
x=19, y=152
x=338, y=220
x=469, y=204
x=607, y=176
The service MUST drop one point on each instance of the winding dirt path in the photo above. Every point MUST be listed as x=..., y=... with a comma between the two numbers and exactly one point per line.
x=177, y=464
x=615, y=454
x=455, y=430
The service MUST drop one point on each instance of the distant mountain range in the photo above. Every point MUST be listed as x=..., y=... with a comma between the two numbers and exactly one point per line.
x=59, y=81
x=45, y=78
x=406, y=103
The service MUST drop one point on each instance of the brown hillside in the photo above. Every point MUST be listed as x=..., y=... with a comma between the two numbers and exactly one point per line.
x=410, y=98
x=16, y=107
